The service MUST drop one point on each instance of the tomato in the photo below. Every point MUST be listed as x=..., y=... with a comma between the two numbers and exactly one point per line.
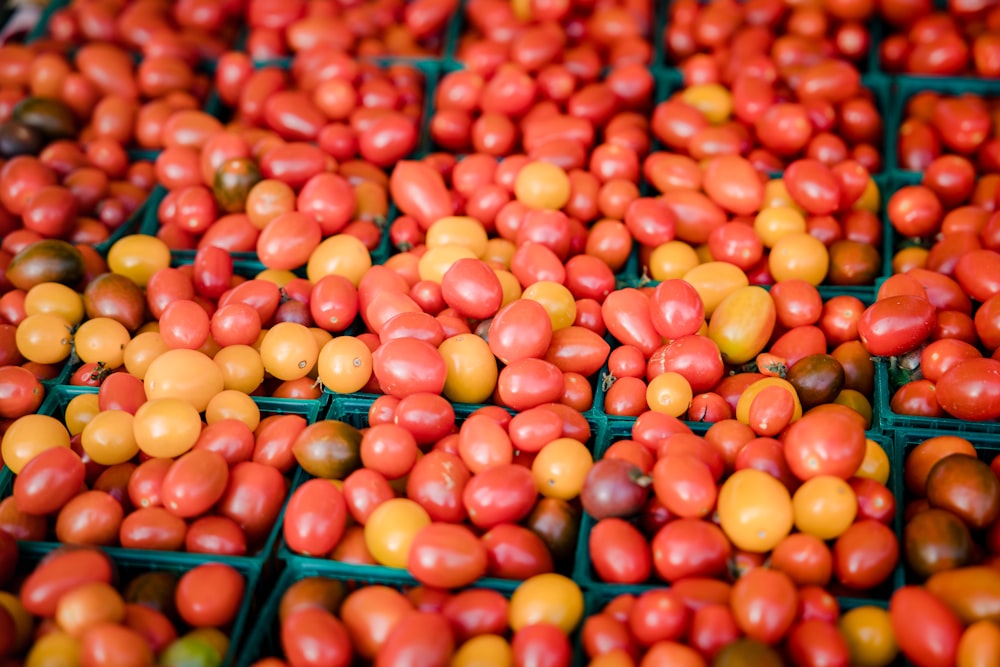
x=686, y=548
x=419, y=638
x=446, y=556
x=408, y=366
x=209, y=595
x=314, y=636
x=658, y=616
x=968, y=390
x=814, y=641
x=515, y=552
x=315, y=518
x=520, y=330
x=628, y=316
x=61, y=572
x=253, y=499
x=92, y=517
x=48, y=481
x=742, y=324
x=500, y=494
x=931, y=636
x=865, y=555
x=619, y=553
x=194, y=483
x=764, y=604
x=824, y=444
x=755, y=510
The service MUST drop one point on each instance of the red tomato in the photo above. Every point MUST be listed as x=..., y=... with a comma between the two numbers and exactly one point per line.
x=658, y=615
x=209, y=595
x=408, y=366
x=61, y=571
x=420, y=639
x=315, y=518
x=521, y=330
x=764, y=604
x=476, y=611
x=927, y=631
x=619, y=553
x=313, y=636
x=971, y=390
x=686, y=548
x=515, y=552
x=194, y=483
x=48, y=481
x=447, y=556
x=501, y=494
x=865, y=555
x=685, y=485
x=824, y=444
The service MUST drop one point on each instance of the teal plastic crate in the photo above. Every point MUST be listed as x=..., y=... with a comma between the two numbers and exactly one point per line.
x=55, y=406
x=987, y=447
x=353, y=410
x=891, y=422
x=584, y=573
x=131, y=564
x=41, y=28
x=910, y=85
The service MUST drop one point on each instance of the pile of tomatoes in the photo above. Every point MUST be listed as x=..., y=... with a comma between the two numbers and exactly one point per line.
x=77, y=605
x=506, y=303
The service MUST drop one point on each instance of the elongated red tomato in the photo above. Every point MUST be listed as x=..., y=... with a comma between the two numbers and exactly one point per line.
x=627, y=315
x=927, y=631
x=445, y=555
x=315, y=518
x=419, y=191
x=896, y=325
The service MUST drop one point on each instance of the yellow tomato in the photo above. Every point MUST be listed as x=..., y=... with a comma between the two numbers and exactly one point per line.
x=141, y=350
x=471, y=369
x=241, y=367
x=187, y=375
x=669, y=393
x=776, y=194
x=55, y=649
x=871, y=199
x=436, y=261
x=561, y=467
x=345, y=365
x=289, y=351
x=45, y=338
x=390, y=529
x=799, y=256
x=54, y=298
x=713, y=100
x=824, y=506
x=755, y=510
x=672, y=260
x=30, y=435
x=483, y=651
x=342, y=255
x=109, y=438
x=279, y=277
x=79, y=411
x=742, y=324
x=876, y=464
x=500, y=251
x=557, y=301
x=869, y=636
x=771, y=224
x=542, y=184
x=546, y=598
x=460, y=230
x=166, y=427
x=138, y=257
x=233, y=404
x=714, y=281
x=510, y=285
x=24, y=623
x=101, y=340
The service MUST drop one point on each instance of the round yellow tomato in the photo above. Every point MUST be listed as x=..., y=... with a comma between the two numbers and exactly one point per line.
x=869, y=636
x=166, y=427
x=434, y=263
x=30, y=435
x=79, y=411
x=546, y=598
x=109, y=438
x=771, y=224
x=342, y=255
x=187, y=375
x=289, y=351
x=101, y=340
x=55, y=298
x=561, y=467
x=460, y=230
x=755, y=510
x=713, y=100
x=542, y=184
x=557, y=301
x=390, y=529
x=669, y=393
x=672, y=260
x=483, y=651
x=345, y=365
x=45, y=338
x=141, y=350
x=799, y=256
x=824, y=506
x=876, y=464
x=233, y=404
x=138, y=257
x=241, y=367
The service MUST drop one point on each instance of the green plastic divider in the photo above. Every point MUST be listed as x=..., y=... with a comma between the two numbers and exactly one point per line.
x=987, y=447
x=891, y=422
x=353, y=410
x=584, y=573
x=55, y=406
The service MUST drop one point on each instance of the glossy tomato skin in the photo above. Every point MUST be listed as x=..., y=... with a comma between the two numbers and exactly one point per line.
x=619, y=553
x=420, y=639
x=515, y=552
x=314, y=636
x=315, y=518
x=61, y=571
x=48, y=481
x=446, y=556
x=926, y=629
x=896, y=325
x=971, y=390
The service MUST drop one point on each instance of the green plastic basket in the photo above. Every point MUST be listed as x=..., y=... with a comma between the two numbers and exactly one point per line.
x=353, y=410
x=891, y=422
x=584, y=573
x=987, y=447
x=910, y=85
x=130, y=564
x=55, y=406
